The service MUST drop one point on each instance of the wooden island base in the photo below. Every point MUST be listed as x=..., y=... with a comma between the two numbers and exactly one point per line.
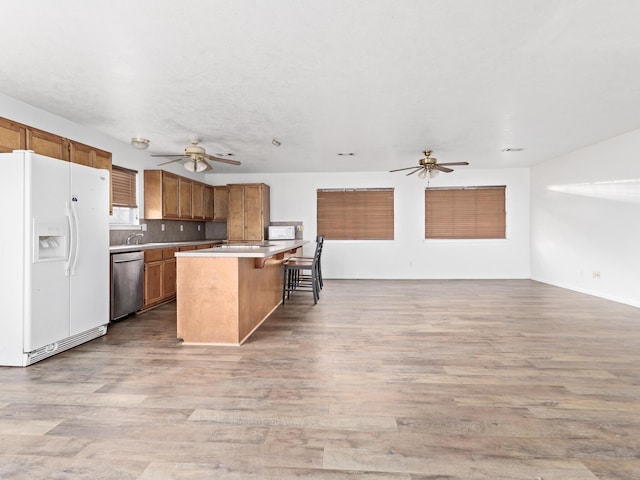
x=223, y=300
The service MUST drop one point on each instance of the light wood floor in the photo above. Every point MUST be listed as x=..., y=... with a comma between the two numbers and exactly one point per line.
x=382, y=380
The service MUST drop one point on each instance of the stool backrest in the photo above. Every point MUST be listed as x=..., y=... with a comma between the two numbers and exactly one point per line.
x=319, y=244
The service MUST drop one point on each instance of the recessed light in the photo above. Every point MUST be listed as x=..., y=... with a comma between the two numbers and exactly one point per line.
x=512, y=149
x=346, y=154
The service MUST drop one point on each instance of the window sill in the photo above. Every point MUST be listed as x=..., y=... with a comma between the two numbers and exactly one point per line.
x=124, y=226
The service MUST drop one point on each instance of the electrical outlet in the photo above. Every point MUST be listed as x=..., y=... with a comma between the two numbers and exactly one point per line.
x=596, y=274
x=143, y=227
x=182, y=228
x=198, y=227
x=162, y=227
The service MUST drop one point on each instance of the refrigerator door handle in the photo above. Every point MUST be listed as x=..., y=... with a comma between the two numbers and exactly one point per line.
x=75, y=239
x=72, y=243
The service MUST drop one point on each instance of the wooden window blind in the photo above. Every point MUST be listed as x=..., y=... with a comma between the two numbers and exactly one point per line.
x=355, y=214
x=123, y=187
x=465, y=212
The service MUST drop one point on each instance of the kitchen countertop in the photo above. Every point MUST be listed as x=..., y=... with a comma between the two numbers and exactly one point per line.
x=134, y=247
x=246, y=249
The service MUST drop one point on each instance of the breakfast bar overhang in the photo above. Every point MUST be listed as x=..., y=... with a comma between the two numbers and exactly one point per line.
x=226, y=292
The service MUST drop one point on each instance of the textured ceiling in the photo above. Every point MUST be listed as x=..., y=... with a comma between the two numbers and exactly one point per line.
x=384, y=79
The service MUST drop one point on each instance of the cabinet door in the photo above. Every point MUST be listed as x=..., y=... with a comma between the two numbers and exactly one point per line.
x=220, y=203
x=101, y=159
x=197, y=200
x=170, y=199
x=254, y=225
x=13, y=136
x=47, y=144
x=152, y=283
x=235, y=214
x=169, y=278
x=207, y=200
x=184, y=189
x=80, y=153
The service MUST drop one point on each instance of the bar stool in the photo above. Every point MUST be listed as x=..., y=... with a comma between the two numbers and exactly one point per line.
x=303, y=274
x=319, y=245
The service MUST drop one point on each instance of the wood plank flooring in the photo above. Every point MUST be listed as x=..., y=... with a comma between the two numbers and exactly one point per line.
x=382, y=380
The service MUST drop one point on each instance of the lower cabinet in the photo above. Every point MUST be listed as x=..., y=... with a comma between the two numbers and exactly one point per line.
x=160, y=273
x=169, y=278
x=159, y=276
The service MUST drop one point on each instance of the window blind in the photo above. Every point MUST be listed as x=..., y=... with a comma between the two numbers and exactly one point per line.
x=355, y=214
x=465, y=212
x=124, y=187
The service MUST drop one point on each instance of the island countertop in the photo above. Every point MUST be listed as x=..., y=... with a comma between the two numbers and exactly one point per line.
x=265, y=249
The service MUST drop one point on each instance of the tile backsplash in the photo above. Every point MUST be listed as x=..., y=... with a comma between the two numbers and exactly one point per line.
x=172, y=232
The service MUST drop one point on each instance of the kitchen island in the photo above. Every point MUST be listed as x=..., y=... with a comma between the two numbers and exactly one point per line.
x=226, y=292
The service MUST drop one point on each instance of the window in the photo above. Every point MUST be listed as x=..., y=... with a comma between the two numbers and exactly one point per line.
x=465, y=212
x=355, y=214
x=124, y=197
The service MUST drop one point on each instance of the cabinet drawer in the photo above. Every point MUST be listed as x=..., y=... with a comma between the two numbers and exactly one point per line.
x=168, y=253
x=152, y=255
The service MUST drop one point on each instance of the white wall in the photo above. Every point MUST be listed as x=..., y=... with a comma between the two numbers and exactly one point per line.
x=585, y=218
x=409, y=256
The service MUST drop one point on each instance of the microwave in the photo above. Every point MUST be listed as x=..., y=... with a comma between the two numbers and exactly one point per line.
x=282, y=232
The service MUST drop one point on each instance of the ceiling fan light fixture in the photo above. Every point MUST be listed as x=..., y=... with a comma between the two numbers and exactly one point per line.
x=422, y=173
x=140, y=143
x=433, y=173
x=195, y=166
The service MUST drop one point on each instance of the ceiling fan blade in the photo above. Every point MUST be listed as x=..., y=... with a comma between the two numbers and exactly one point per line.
x=209, y=167
x=416, y=170
x=443, y=169
x=223, y=160
x=407, y=168
x=174, y=160
x=454, y=163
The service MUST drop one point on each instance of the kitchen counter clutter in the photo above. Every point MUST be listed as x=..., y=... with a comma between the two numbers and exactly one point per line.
x=226, y=292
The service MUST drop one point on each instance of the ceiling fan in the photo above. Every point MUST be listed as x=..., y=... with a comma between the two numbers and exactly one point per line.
x=197, y=158
x=429, y=166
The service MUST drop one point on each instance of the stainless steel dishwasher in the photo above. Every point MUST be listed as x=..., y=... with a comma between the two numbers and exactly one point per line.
x=127, y=289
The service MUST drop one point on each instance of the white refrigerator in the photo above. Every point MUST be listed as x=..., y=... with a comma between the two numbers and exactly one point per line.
x=54, y=252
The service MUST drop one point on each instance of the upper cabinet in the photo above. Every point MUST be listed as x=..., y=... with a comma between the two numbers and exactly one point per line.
x=248, y=211
x=13, y=136
x=220, y=202
x=202, y=201
x=186, y=199
x=170, y=196
x=207, y=200
x=47, y=144
x=80, y=153
x=197, y=200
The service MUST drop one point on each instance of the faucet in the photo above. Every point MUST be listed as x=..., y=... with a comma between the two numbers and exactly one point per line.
x=133, y=235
